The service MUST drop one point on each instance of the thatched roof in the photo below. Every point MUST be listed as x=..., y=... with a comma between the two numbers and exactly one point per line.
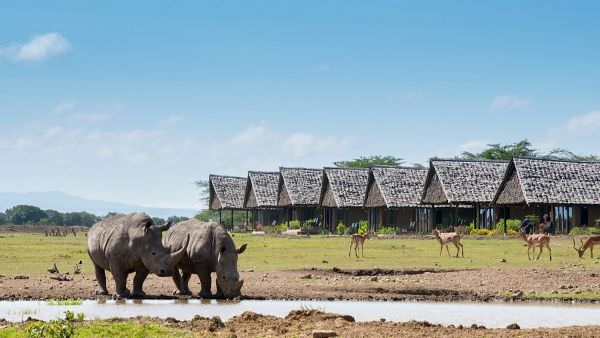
x=261, y=189
x=344, y=187
x=455, y=181
x=395, y=187
x=545, y=181
x=226, y=192
x=299, y=186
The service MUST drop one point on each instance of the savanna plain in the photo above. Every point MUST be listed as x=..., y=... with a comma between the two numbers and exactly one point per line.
x=319, y=268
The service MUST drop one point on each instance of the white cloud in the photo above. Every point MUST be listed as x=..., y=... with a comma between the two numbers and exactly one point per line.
x=510, y=102
x=254, y=133
x=303, y=144
x=473, y=146
x=62, y=107
x=90, y=117
x=171, y=121
x=39, y=48
x=587, y=123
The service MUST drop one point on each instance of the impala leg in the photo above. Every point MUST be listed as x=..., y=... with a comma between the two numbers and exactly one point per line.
x=349, y=251
x=441, y=247
x=592, y=251
x=448, y=250
x=541, y=249
x=549, y=251
x=462, y=249
x=528, y=249
x=362, y=250
x=356, y=249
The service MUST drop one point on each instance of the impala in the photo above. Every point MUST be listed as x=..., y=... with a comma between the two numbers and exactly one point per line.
x=536, y=241
x=446, y=238
x=589, y=243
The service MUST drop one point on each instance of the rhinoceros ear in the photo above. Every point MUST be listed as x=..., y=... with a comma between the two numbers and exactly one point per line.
x=241, y=249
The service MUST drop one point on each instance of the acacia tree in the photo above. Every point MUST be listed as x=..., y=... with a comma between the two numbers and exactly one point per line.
x=523, y=148
x=369, y=161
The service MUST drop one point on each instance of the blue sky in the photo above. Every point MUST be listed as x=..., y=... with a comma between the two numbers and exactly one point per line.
x=133, y=102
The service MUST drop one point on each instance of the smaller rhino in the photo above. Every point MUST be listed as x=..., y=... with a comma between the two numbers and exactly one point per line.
x=210, y=249
x=123, y=244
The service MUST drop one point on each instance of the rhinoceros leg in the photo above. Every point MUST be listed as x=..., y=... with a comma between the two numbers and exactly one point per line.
x=101, y=279
x=121, y=284
x=138, y=283
x=204, y=276
x=181, y=283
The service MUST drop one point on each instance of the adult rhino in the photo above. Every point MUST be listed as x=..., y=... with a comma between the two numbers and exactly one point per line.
x=123, y=244
x=210, y=249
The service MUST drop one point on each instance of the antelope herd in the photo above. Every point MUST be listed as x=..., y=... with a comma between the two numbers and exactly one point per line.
x=532, y=241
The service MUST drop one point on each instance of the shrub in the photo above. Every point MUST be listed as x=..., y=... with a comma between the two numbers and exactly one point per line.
x=577, y=231
x=363, y=227
x=341, y=228
x=512, y=224
x=481, y=232
x=276, y=229
x=63, y=328
x=387, y=231
x=295, y=224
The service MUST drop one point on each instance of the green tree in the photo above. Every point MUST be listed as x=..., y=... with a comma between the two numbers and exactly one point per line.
x=369, y=161
x=204, y=188
x=177, y=219
x=158, y=220
x=239, y=216
x=3, y=218
x=25, y=214
x=524, y=148
x=505, y=152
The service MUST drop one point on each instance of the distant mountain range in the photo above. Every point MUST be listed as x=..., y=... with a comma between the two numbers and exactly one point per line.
x=63, y=202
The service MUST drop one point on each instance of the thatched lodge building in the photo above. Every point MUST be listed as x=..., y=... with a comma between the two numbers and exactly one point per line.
x=343, y=195
x=299, y=193
x=226, y=193
x=261, y=198
x=568, y=192
x=467, y=187
x=393, y=199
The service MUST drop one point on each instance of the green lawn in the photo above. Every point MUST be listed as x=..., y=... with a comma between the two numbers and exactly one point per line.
x=32, y=254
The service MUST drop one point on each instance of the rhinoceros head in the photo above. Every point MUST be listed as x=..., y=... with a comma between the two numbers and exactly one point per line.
x=228, y=277
x=155, y=256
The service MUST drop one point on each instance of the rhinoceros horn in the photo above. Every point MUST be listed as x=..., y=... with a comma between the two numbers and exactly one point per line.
x=176, y=256
x=238, y=287
x=164, y=227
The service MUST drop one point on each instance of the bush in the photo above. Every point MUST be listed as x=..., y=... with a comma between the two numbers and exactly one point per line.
x=63, y=328
x=363, y=227
x=295, y=224
x=511, y=224
x=481, y=232
x=276, y=229
x=386, y=231
x=578, y=231
x=341, y=228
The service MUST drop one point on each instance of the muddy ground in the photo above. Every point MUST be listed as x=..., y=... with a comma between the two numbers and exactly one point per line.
x=307, y=323
x=335, y=284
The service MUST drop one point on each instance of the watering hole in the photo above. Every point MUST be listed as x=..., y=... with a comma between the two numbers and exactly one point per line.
x=489, y=315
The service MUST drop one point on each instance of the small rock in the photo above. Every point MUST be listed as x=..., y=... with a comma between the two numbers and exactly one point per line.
x=323, y=333
x=382, y=320
x=474, y=326
x=374, y=279
x=563, y=287
x=503, y=260
x=325, y=262
x=309, y=276
x=554, y=292
x=265, y=275
x=460, y=327
x=250, y=270
x=577, y=292
x=21, y=277
x=513, y=326
x=531, y=292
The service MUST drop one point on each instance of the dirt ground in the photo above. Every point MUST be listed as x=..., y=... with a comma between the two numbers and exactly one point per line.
x=335, y=284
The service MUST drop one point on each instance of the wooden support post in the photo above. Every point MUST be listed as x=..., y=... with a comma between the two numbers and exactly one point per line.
x=247, y=220
x=231, y=219
x=220, y=216
x=504, y=218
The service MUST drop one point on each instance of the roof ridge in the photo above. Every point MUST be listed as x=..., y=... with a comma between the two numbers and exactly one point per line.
x=552, y=159
x=466, y=160
x=398, y=167
x=303, y=168
x=262, y=172
x=215, y=175
x=343, y=168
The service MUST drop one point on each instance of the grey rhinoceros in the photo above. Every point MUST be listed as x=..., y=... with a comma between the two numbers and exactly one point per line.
x=210, y=249
x=123, y=244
